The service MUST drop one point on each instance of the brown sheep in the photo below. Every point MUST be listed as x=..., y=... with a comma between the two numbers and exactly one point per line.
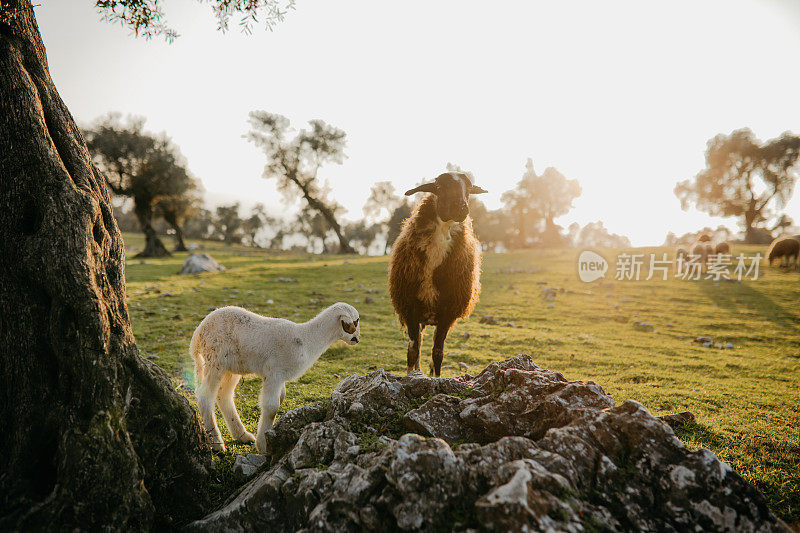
x=702, y=250
x=785, y=248
x=722, y=248
x=434, y=273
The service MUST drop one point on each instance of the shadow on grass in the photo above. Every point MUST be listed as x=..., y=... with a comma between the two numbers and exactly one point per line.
x=727, y=294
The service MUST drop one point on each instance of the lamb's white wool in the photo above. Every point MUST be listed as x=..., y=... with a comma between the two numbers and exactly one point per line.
x=232, y=341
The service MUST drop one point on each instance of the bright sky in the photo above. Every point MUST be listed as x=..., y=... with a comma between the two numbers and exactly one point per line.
x=621, y=95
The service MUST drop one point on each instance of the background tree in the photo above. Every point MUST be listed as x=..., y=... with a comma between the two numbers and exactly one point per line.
x=199, y=226
x=401, y=212
x=126, y=220
x=177, y=209
x=228, y=224
x=492, y=227
x=536, y=202
x=138, y=165
x=380, y=206
x=362, y=234
x=253, y=224
x=95, y=436
x=744, y=178
x=595, y=235
x=295, y=161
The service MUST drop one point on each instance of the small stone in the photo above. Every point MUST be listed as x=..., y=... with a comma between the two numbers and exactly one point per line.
x=245, y=466
x=678, y=420
x=729, y=345
x=270, y=302
x=199, y=263
x=488, y=319
x=551, y=306
x=463, y=366
x=369, y=300
x=349, y=278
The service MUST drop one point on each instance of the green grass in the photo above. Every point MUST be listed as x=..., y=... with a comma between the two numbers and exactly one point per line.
x=746, y=400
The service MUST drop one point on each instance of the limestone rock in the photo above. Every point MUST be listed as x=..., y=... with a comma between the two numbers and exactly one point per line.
x=246, y=465
x=515, y=448
x=197, y=263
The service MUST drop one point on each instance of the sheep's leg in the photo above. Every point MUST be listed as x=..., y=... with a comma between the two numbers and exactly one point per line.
x=228, y=409
x=414, y=345
x=206, y=393
x=272, y=392
x=442, y=329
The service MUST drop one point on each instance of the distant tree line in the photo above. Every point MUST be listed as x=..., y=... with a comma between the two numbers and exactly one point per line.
x=746, y=179
x=160, y=196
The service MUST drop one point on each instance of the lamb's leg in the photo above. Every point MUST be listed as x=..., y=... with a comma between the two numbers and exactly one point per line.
x=206, y=393
x=442, y=329
x=228, y=408
x=270, y=401
x=414, y=345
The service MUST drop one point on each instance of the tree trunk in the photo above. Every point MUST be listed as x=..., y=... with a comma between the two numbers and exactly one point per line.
x=153, y=247
x=94, y=436
x=344, y=246
x=749, y=229
x=180, y=246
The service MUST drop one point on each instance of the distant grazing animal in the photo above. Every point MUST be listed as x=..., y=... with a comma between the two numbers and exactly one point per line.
x=434, y=274
x=232, y=341
x=787, y=249
x=681, y=258
x=703, y=251
x=722, y=248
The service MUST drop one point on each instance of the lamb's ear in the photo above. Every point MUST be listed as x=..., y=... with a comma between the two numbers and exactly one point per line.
x=425, y=187
x=477, y=190
x=348, y=327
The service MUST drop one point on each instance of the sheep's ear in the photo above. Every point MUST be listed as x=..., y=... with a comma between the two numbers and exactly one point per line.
x=425, y=187
x=477, y=190
x=348, y=327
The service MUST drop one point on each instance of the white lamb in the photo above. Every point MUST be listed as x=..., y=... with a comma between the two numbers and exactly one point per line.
x=232, y=341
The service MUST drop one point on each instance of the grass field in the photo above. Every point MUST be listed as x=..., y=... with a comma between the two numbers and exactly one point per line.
x=746, y=399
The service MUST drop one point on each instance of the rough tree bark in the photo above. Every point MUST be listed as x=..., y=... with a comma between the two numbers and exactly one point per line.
x=153, y=247
x=94, y=436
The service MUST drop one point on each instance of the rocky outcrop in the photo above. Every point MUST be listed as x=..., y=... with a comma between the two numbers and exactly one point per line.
x=197, y=263
x=514, y=448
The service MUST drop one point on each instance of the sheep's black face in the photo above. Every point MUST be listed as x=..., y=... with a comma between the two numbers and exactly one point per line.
x=452, y=190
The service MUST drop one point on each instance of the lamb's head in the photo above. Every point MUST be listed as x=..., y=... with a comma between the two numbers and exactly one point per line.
x=350, y=328
x=452, y=190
